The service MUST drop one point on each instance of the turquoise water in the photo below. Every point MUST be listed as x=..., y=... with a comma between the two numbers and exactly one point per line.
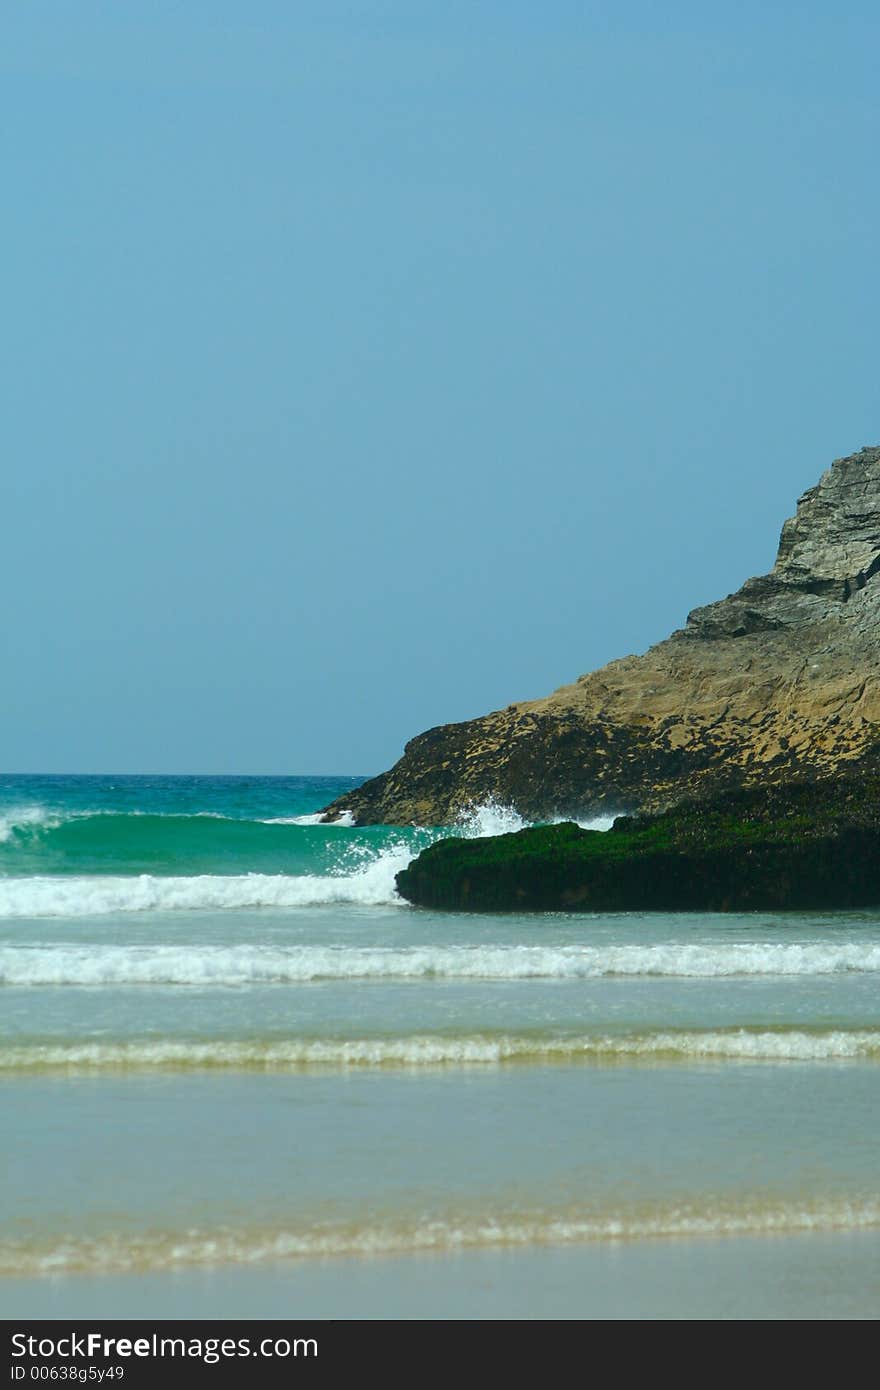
x=225, y=1041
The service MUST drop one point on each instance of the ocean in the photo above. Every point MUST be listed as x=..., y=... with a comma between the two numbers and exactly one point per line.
x=239, y=1073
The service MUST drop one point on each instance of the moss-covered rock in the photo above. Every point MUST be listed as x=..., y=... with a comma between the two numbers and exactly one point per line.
x=810, y=846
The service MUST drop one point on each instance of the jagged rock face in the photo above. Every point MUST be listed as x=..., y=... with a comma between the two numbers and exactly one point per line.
x=779, y=681
x=827, y=554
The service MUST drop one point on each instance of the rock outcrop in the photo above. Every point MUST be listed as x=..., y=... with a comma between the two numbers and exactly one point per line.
x=812, y=846
x=778, y=682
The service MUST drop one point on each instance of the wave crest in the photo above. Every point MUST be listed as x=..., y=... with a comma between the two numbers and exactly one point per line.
x=120, y=1252
x=438, y=1050
x=63, y=964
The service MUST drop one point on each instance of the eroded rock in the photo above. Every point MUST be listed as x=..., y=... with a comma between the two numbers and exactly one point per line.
x=777, y=682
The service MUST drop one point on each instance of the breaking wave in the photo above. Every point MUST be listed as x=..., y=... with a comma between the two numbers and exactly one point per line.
x=291, y=861
x=432, y=1051
x=29, y=819
x=64, y=964
x=372, y=885
x=249, y=1246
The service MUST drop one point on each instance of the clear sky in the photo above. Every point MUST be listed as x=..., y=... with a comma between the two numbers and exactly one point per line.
x=369, y=364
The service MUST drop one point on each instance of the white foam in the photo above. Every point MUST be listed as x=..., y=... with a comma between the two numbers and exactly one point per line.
x=316, y=819
x=346, y=820
x=494, y=818
x=22, y=817
x=421, y=1051
x=597, y=823
x=489, y=818
x=48, y=964
x=41, y=817
x=742, y=1044
x=335, y=1053
x=116, y=1251
x=79, y=896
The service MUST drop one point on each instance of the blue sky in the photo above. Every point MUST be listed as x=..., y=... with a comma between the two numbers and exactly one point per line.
x=368, y=366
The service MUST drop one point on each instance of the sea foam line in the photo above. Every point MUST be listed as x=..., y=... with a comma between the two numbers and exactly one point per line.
x=97, y=895
x=39, y=817
x=438, y=1050
x=168, y=1250
x=345, y=821
x=63, y=964
x=488, y=818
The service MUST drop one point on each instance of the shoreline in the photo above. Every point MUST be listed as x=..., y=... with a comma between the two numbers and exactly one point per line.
x=816, y=1275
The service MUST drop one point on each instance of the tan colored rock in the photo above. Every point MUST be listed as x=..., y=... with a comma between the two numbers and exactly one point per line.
x=779, y=681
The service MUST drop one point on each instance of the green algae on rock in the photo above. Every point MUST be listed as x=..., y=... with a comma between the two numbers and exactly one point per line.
x=802, y=846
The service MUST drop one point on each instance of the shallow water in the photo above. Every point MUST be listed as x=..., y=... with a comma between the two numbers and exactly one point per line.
x=225, y=1043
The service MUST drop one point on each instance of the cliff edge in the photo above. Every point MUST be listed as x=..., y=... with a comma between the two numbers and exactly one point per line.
x=775, y=683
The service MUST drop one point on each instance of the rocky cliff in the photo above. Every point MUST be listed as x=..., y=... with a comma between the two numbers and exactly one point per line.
x=778, y=682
